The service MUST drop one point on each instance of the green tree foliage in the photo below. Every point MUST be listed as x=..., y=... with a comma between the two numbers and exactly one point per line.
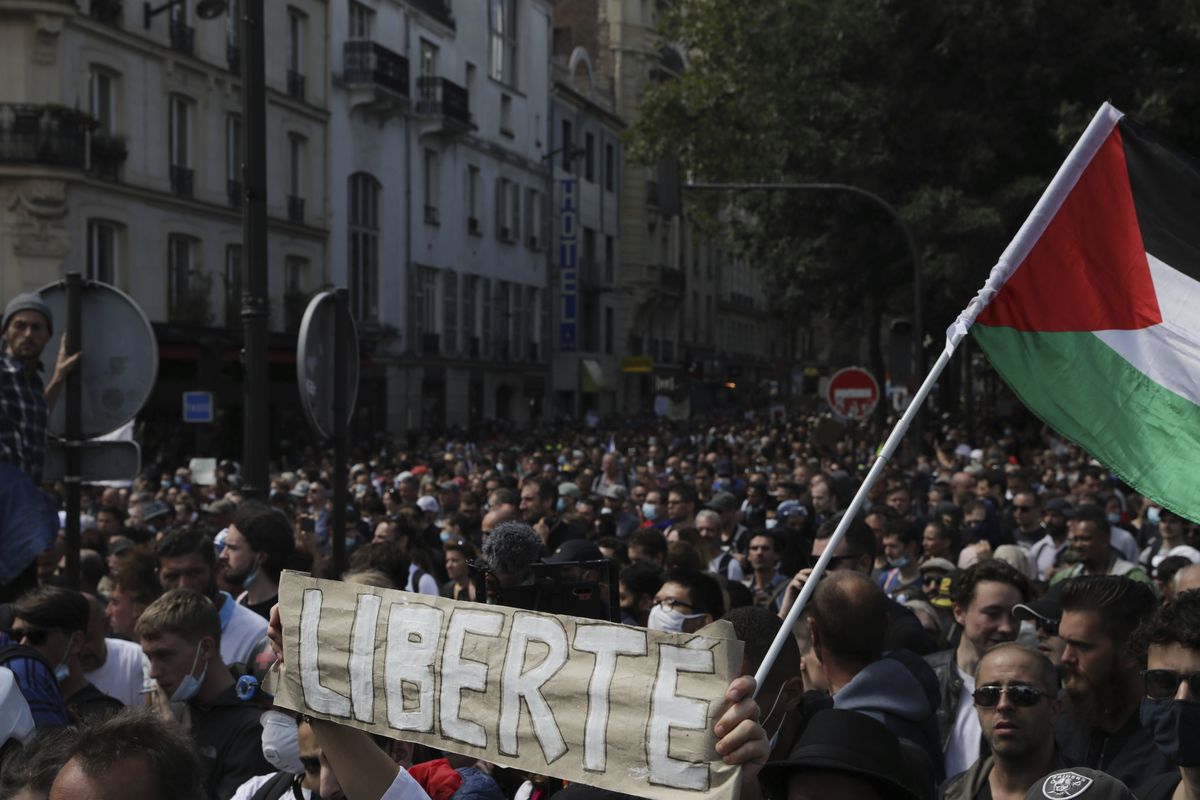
x=958, y=112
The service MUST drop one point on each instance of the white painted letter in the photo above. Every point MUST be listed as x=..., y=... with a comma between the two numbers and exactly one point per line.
x=606, y=642
x=669, y=710
x=516, y=684
x=319, y=698
x=362, y=657
x=412, y=642
x=459, y=673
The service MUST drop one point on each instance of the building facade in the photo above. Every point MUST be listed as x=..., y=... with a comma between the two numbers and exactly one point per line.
x=120, y=154
x=439, y=222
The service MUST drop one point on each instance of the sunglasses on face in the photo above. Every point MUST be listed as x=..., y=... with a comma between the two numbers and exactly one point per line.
x=31, y=636
x=1050, y=626
x=1019, y=694
x=1163, y=684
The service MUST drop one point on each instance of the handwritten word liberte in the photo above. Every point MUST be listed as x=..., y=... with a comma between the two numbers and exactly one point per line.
x=431, y=656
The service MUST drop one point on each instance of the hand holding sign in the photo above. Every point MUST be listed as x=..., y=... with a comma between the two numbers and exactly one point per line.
x=602, y=704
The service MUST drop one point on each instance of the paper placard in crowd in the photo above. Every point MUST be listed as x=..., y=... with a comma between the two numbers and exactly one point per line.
x=598, y=703
x=204, y=471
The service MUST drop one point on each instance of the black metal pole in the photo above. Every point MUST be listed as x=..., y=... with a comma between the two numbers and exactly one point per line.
x=74, y=411
x=256, y=440
x=341, y=371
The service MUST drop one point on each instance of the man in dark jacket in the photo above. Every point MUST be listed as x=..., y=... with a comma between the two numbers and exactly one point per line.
x=983, y=603
x=847, y=620
x=181, y=634
x=1016, y=700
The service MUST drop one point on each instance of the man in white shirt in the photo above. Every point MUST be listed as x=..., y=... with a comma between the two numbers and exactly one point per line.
x=114, y=666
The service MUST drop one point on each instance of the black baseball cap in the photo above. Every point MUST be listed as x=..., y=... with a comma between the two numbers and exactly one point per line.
x=1046, y=608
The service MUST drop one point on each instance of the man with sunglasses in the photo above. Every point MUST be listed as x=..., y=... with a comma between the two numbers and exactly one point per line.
x=1171, y=691
x=1101, y=729
x=1016, y=702
x=982, y=605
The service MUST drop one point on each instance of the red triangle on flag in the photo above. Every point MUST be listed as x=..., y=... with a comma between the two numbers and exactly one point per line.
x=1088, y=271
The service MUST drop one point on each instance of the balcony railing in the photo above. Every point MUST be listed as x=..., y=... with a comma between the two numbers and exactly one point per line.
x=234, y=190
x=295, y=85
x=233, y=57
x=108, y=154
x=438, y=9
x=370, y=62
x=182, y=37
x=43, y=134
x=444, y=97
x=295, y=209
x=106, y=11
x=181, y=180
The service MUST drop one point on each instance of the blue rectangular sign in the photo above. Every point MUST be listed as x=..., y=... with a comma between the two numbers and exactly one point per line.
x=197, y=407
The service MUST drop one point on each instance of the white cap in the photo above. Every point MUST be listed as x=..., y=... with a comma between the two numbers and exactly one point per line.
x=1187, y=551
x=428, y=504
x=16, y=721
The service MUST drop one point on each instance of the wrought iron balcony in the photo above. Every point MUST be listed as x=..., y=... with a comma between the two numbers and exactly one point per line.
x=438, y=9
x=295, y=209
x=438, y=96
x=43, y=134
x=181, y=180
x=295, y=85
x=182, y=37
x=370, y=62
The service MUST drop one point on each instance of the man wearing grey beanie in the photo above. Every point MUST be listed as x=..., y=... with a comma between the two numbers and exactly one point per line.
x=28, y=519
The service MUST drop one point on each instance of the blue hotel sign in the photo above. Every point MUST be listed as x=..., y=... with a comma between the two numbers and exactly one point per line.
x=568, y=244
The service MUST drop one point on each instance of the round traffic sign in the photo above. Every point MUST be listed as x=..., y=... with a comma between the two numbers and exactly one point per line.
x=316, y=362
x=852, y=393
x=120, y=357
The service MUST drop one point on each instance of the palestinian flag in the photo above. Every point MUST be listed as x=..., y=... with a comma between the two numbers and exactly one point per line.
x=1092, y=315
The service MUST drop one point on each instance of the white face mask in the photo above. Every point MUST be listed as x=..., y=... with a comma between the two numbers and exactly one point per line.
x=281, y=742
x=668, y=619
x=190, y=685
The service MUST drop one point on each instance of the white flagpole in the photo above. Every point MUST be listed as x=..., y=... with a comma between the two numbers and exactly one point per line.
x=860, y=497
x=1064, y=181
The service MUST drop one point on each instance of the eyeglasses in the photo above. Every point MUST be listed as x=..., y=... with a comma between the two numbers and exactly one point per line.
x=1020, y=694
x=35, y=637
x=1163, y=684
x=1050, y=626
x=670, y=603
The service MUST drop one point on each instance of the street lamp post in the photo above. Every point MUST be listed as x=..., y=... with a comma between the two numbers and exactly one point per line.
x=256, y=306
x=256, y=440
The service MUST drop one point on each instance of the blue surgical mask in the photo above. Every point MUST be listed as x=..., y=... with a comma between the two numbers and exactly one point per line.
x=649, y=510
x=899, y=563
x=1175, y=726
x=165, y=484
x=1152, y=514
x=445, y=536
x=561, y=505
x=249, y=579
x=190, y=685
x=1113, y=519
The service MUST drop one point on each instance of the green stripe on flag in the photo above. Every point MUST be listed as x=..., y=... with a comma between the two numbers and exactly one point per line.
x=1146, y=434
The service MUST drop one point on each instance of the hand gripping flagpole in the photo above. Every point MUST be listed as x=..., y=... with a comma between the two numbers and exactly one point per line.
x=1035, y=224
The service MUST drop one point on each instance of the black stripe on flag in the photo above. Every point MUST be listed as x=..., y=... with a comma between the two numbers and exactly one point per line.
x=1166, y=193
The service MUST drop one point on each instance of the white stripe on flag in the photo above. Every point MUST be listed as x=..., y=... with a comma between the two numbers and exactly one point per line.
x=1167, y=353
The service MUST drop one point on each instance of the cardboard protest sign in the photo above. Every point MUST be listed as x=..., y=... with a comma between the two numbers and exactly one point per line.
x=593, y=702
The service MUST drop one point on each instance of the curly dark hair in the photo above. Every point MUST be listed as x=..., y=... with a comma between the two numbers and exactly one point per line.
x=991, y=569
x=1176, y=622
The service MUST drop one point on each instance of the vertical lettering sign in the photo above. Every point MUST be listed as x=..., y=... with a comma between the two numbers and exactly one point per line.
x=592, y=702
x=568, y=288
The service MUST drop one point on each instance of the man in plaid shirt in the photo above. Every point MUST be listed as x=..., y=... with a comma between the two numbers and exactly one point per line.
x=28, y=519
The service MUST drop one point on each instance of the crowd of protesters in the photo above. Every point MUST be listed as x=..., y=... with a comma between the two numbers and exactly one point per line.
x=1003, y=618
x=996, y=613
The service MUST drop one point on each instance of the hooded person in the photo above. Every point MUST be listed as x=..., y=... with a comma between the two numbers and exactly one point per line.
x=847, y=622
